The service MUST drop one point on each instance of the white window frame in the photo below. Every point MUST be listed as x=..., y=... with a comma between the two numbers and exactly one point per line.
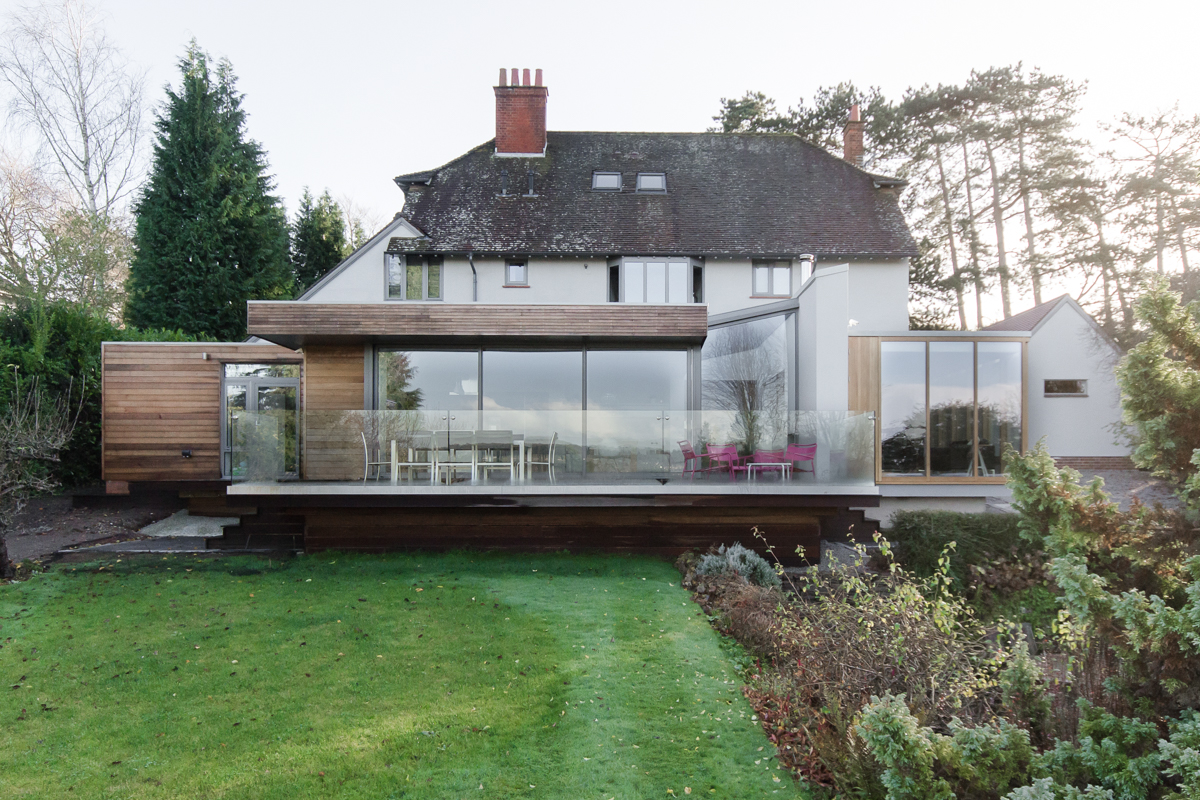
x=393, y=261
x=509, y=265
x=662, y=266
x=771, y=269
x=604, y=173
x=644, y=190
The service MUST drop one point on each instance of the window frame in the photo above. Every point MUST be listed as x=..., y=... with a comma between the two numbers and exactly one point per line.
x=1081, y=381
x=598, y=173
x=770, y=267
x=693, y=270
x=639, y=189
x=509, y=283
x=401, y=261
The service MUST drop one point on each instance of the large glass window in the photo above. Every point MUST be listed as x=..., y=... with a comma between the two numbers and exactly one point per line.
x=999, y=402
x=413, y=277
x=949, y=407
x=428, y=379
x=532, y=380
x=658, y=281
x=639, y=380
x=902, y=407
x=747, y=371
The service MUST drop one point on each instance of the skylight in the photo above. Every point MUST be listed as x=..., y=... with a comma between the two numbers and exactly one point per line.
x=606, y=181
x=652, y=182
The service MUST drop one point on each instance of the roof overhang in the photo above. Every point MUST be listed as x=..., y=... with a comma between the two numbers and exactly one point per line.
x=296, y=324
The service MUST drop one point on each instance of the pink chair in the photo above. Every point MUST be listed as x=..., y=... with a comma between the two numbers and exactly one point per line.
x=802, y=452
x=726, y=456
x=691, y=457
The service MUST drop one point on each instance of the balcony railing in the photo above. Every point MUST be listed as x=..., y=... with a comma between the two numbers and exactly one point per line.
x=455, y=447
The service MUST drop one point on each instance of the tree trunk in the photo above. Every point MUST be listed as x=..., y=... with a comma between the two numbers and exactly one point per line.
x=7, y=571
x=973, y=240
x=1159, y=233
x=998, y=221
x=958, y=286
x=1035, y=273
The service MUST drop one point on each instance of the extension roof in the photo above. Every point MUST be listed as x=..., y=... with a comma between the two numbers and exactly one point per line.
x=1026, y=320
x=728, y=194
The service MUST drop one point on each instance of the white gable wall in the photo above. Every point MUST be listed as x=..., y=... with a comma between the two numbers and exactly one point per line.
x=1067, y=345
x=879, y=295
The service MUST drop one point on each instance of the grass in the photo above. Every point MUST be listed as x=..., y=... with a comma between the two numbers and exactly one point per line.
x=420, y=676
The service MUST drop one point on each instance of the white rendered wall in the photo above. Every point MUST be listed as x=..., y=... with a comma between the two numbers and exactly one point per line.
x=1068, y=346
x=879, y=295
x=822, y=346
x=361, y=278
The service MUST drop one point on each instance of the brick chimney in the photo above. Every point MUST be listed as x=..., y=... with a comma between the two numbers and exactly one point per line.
x=852, y=138
x=521, y=115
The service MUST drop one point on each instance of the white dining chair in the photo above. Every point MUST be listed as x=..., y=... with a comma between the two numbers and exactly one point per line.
x=549, y=462
x=488, y=443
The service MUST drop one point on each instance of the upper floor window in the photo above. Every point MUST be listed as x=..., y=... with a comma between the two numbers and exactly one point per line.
x=516, y=273
x=1062, y=387
x=413, y=277
x=772, y=279
x=652, y=182
x=606, y=181
x=664, y=281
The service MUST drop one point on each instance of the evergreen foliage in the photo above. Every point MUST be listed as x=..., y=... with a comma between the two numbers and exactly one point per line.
x=210, y=235
x=58, y=346
x=318, y=236
x=742, y=560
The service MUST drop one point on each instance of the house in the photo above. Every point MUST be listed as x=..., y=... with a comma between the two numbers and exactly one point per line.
x=526, y=353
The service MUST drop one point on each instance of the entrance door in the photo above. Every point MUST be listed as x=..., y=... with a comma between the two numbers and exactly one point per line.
x=261, y=421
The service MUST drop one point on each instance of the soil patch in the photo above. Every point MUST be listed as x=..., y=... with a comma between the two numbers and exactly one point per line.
x=50, y=524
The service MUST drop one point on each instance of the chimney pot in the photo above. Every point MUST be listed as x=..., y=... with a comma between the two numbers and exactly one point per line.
x=515, y=79
x=525, y=77
x=854, y=113
x=503, y=77
x=537, y=78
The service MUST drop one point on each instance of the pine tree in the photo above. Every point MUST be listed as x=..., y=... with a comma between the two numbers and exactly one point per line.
x=210, y=235
x=318, y=238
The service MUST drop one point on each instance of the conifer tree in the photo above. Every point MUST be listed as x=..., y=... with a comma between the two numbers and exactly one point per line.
x=318, y=239
x=210, y=235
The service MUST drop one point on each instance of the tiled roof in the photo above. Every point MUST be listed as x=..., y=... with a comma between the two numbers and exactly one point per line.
x=1026, y=320
x=727, y=195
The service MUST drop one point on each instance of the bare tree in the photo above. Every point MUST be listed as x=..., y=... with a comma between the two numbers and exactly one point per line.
x=33, y=431
x=75, y=89
x=361, y=222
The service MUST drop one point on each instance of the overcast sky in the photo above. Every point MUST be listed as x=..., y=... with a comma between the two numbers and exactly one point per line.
x=345, y=95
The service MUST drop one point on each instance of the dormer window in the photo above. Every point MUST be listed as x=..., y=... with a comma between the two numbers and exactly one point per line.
x=652, y=183
x=413, y=277
x=606, y=181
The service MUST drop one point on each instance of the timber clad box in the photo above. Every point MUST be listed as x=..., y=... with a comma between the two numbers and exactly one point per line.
x=633, y=341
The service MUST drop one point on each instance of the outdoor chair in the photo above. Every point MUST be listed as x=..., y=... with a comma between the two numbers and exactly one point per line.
x=411, y=448
x=368, y=463
x=802, y=452
x=457, y=442
x=549, y=462
x=490, y=443
x=726, y=456
x=691, y=457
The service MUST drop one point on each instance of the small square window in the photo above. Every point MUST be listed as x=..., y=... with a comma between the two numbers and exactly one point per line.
x=652, y=182
x=606, y=181
x=1066, y=388
x=772, y=279
x=515, y=274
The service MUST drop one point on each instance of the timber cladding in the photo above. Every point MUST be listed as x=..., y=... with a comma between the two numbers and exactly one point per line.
x=334, y=381
x=161, y=398
x=295, y=323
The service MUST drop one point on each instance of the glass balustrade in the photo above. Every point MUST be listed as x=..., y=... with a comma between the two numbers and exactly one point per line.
x=449, y=447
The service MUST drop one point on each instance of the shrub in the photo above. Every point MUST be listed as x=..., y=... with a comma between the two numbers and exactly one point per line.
x=920, y=537
x=739, y=559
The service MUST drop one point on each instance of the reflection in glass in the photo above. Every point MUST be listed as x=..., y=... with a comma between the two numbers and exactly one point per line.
x=635, y=401
x=746, y=370
x=656, y=282
x=413, y=282
x=533, y=380
x=262, y=370
x=677, y=282
x=635, y=282
x=902, y=409
x=279, y=402
x=428, y=379
x=999, y=402
x=951, y=407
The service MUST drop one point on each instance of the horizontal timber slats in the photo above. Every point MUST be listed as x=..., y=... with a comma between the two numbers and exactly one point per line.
x=295, y=322
x=864, y=373
x=161, y=398
x=334, y=380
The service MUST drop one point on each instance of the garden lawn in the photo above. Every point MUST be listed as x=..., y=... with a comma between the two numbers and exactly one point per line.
x=422, y=676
